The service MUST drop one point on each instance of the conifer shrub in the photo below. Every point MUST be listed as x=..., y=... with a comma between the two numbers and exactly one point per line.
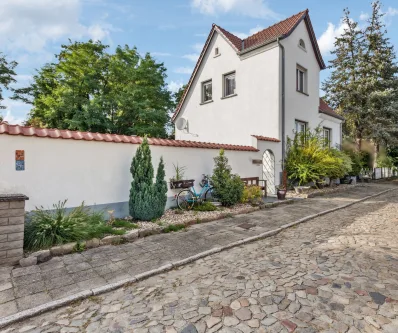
x=147, y=199
x=228, y=188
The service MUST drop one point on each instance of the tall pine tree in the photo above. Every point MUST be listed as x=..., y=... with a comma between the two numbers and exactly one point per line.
x=344, y=87
x=379, y=63
x=363, y=83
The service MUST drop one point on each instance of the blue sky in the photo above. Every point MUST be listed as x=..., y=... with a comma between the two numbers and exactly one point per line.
x=174, y=31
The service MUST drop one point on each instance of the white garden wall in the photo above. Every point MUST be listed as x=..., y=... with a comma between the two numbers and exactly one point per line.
x=98, y=173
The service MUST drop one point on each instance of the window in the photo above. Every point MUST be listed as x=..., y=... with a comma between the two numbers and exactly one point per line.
x=301, y=126
x=302, y=44
x=327, y=135
x=207, y=91
x=229, y=84
x=301, y=80
x=216, y=51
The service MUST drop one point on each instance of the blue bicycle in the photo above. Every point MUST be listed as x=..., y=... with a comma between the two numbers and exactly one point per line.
x=187, y=198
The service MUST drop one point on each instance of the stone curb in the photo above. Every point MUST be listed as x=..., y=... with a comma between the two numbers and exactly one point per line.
x=112, y=286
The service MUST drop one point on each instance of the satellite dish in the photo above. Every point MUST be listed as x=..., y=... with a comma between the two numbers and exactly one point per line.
x=181, y=123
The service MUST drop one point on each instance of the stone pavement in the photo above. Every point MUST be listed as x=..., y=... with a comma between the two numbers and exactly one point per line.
x=279, y=275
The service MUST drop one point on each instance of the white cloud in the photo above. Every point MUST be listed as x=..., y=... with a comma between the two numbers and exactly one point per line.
x=252, y=8
x=183, y=70
x=391, y=11
x=193, y=57
x=327, y=39
x=363, y=16
x=252, y=31
x=198, y=47
x=16, y=112
x=31, y=25
x=175, y=86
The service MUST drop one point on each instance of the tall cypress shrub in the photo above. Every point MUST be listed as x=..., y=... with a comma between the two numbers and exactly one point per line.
x=147, y=200
x=160, y=188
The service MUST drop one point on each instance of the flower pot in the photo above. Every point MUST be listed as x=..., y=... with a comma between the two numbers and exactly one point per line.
x=302, y=189
x=281, y=194
x=179, y=184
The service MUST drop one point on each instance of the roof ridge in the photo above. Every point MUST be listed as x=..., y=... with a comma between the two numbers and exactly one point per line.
x=279, y=22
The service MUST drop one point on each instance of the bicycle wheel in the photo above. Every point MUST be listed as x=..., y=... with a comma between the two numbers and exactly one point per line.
x=210, y=195
x=185, y=200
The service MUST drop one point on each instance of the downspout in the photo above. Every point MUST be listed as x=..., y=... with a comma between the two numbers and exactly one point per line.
x=283, y=104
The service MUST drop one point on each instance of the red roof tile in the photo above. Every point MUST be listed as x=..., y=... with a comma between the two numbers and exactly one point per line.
x=236, y=41
x=279, y=30
x=6, y=128
x=326, y=109
x=266, y=138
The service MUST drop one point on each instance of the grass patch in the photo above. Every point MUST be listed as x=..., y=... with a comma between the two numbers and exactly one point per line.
x=204, y=207
x=174, y=228
x=120, y=223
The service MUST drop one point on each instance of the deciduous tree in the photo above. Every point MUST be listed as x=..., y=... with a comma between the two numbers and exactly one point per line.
x=89, y=89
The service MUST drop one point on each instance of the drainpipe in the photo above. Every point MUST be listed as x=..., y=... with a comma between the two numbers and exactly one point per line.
x=283, y=104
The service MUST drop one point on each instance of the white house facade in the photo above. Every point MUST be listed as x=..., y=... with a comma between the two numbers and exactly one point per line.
x=262, y=88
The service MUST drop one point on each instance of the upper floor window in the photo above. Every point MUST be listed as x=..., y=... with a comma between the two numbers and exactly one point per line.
x=302, y=44
x=207, y=91
x=229, y=84
x=301, y=126
x=327, y=136
x=301, y=79
x=216, y=51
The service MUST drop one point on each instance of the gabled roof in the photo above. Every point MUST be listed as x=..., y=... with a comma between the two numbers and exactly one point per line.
x=29, y=131
x=326, y=109
x=277, y=31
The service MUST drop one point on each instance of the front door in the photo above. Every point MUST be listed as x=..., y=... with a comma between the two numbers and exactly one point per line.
x=269, y=171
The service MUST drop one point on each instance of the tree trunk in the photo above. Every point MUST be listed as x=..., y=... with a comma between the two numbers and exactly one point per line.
x=376, y=152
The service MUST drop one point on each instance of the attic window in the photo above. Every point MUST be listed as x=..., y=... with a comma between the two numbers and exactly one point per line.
x=216, y=51
x=302, y=44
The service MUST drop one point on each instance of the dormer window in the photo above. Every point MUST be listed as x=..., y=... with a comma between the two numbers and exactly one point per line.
x=302, y=44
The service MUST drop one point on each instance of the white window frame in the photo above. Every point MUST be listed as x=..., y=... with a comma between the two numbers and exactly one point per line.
x=327, y=136
x=301, y=124
x=301, y=86
x=204, y=84
x=225, y=77
x=302, y=46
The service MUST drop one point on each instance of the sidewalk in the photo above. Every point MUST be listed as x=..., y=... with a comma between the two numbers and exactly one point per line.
x=24, y=288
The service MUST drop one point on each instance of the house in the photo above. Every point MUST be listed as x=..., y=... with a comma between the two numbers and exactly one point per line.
x=257, y=90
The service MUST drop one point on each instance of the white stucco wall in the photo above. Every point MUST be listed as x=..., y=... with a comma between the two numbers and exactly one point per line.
x=335, y=125
x=255, y=109
x=99, y=172
x=298, y=105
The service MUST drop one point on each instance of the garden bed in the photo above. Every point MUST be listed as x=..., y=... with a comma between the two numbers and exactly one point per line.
x=319, y=192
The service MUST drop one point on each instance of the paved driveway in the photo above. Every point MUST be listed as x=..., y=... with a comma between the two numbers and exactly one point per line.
x=336, y=273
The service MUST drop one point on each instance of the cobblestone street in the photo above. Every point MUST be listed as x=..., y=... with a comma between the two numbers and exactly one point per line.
x=336, y=273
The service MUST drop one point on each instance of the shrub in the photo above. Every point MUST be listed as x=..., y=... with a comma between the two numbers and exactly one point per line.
x=228, y=188
x=147, y=200
x=46, y=228
x=310, y=159
x=205, y=207
x=252, y=194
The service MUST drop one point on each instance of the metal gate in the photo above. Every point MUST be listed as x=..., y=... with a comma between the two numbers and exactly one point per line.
x=269, y=171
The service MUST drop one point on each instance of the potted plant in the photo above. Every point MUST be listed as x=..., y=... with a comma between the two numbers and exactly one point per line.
x=281, y=190
x=177, y=181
